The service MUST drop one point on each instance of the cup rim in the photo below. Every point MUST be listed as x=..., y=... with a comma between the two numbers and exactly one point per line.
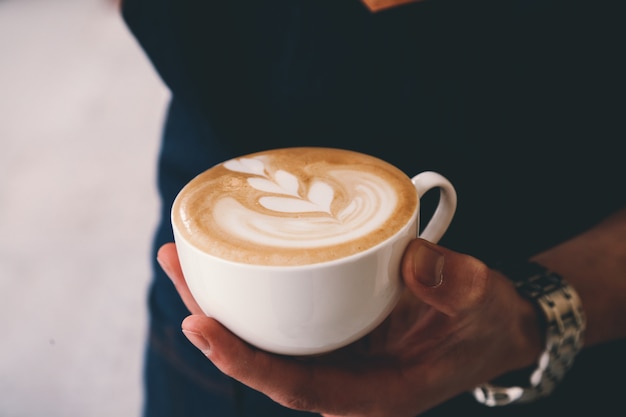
x=413, y=219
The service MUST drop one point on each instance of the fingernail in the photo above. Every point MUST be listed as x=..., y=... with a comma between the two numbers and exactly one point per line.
x=198, y=341
x=428, y=265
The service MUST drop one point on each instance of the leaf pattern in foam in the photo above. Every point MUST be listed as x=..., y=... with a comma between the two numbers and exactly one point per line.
x=320, y=195
x=246, y=165
x=285, y=183
x=290, y=205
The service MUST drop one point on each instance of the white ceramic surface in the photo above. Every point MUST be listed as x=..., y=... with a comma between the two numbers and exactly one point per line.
x=311, y=309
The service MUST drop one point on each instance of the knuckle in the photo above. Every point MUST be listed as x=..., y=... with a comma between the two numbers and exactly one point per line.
x=298, y=396
x=478, y=275
x=297, y=400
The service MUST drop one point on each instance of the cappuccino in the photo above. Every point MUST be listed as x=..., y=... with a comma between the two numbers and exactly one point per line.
x=294, y=206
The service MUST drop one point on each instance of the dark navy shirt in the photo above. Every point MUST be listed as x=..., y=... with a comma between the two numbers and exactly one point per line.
x=520, y=103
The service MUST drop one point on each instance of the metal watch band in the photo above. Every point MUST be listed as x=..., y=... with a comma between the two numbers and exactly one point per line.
x=565, y=325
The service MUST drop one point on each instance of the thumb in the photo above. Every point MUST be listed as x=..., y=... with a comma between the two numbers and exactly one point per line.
x=448, y=281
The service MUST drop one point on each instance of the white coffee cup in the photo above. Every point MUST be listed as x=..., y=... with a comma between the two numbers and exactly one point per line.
x=296, y=294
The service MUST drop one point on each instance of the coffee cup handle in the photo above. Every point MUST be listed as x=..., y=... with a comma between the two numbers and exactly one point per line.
x=442, y=217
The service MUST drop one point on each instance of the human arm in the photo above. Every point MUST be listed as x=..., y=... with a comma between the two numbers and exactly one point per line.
x=594, y=263
x=445, y=337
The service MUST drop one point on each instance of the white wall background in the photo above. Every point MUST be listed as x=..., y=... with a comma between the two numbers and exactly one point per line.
x=80, y=114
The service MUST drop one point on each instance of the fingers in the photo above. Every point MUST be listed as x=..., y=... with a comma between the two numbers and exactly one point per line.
x=448, y=281
x=168, y=259
x=282, y=379
x=293, y=383
x=287, y=381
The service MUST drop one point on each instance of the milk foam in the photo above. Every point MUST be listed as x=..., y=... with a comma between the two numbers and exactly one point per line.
x=372, y=201
x=295, y=206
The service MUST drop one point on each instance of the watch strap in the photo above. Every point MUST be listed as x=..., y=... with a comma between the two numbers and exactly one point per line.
x=564, y=319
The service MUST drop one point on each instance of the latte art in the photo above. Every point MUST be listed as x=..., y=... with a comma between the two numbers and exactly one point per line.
x=314, y=225
x=294, y=206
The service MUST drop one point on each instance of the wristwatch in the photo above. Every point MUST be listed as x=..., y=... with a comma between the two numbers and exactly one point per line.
x=560, y=306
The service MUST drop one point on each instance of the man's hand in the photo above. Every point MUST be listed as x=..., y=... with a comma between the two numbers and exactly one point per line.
x=458, y=324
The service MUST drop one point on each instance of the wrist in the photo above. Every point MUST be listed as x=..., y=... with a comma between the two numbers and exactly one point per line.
x=530, y=337
x=563, y=321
